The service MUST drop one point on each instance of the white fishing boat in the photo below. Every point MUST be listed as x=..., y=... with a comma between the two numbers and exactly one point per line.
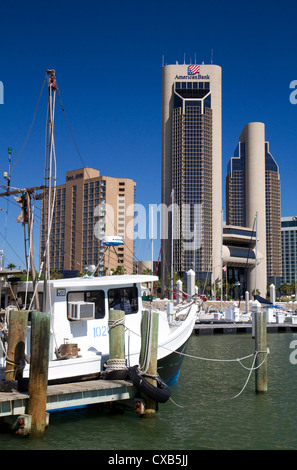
x=79, y=310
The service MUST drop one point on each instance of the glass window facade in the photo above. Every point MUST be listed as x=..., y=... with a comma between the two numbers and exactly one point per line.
x=192, y=175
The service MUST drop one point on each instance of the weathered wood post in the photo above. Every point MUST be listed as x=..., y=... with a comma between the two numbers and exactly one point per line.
x=149, y=354
x=38, y=378
x=260, y=347
x=116, y=364
x=17, y=333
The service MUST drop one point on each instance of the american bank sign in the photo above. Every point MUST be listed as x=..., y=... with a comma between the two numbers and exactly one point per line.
x=193, y=74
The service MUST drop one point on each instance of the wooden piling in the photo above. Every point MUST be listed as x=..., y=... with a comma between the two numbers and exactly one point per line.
x=116, y=364
x=17, y=332
x=149, y=354
x=260, y=347
x=38, y=378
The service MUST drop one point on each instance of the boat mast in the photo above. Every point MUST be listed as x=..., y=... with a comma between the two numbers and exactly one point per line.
x=256, y=262
x=222, y=260
x=172, y=244
x=49, y=176
x=152, y=247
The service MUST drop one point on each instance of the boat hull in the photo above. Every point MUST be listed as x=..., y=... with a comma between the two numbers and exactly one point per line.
x=169, y=367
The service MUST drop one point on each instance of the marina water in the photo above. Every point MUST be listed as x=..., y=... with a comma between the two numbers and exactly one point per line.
x=203, y=413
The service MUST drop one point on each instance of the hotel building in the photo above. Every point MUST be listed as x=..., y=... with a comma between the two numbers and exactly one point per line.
x=253, y=188
x=87, y=207
x=191, y=170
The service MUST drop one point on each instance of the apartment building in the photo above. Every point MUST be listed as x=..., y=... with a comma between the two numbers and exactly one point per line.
x=87, y=208
x=289, y=249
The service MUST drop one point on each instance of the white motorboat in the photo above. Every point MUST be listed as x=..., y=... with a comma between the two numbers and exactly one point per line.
x=79, y=310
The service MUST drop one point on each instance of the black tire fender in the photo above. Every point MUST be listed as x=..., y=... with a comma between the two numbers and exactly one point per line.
x=160, y=394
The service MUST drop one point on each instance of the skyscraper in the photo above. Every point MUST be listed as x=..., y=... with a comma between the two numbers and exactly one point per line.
x=289, y=249
x=253, y=188
x=191, y=169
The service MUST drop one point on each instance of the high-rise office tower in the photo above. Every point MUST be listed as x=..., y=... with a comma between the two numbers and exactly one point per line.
x=253, y=188
x=191, y=169
x=88, y=207
x=289, y=249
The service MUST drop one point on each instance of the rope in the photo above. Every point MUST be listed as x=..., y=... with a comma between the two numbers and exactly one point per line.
x=17, y=366
x=205, y=358
x=30, y=129
x=116, y=364
x=238, y=360
x=114, y=323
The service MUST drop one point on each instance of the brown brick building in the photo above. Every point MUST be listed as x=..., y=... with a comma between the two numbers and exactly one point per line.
x=87, y=207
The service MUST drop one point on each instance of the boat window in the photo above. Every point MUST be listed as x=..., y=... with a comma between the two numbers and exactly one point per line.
x=123, y=299
x=21, y=296
x=96, y=296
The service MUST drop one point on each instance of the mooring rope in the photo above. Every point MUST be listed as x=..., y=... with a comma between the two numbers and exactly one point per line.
x=114, y=323
x=207, y=358
x=238, y=360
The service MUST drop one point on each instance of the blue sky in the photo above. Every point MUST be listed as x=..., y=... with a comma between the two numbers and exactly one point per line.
x=108, y=61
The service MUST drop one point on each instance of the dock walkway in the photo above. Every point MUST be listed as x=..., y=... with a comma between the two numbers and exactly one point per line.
x=69, y=395
x=213, y=327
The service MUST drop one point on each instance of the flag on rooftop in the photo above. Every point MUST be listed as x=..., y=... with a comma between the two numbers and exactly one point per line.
x=193, y=69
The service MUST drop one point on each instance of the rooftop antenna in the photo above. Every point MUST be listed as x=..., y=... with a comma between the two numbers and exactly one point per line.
x=184, y=58
x=211, y=59
x=195, y=58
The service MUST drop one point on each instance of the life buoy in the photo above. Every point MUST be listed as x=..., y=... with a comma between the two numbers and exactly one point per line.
x=160, y=394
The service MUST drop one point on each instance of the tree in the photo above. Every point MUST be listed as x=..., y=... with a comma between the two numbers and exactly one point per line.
x=55, y=274
x=147, y=271
x=119, y=270
x=11, y=266
x=255, y=293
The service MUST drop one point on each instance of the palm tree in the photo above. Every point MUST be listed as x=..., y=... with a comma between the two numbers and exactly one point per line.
x=11, y=266
x=55, y=274
x=147, y=271
x=119, y=270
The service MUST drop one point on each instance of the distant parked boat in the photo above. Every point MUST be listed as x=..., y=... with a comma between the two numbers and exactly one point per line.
x=112, y=241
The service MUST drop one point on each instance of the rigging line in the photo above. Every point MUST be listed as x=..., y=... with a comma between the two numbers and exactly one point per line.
x=30, y=129
x=208, y=275
x=80, y=156
x=160, y=251
x=71, y=133
x=5, y=224
x=22, y=261
x=63, y=110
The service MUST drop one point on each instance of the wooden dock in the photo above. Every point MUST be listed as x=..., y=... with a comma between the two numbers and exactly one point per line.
x=70, y=395
x=217, y=327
